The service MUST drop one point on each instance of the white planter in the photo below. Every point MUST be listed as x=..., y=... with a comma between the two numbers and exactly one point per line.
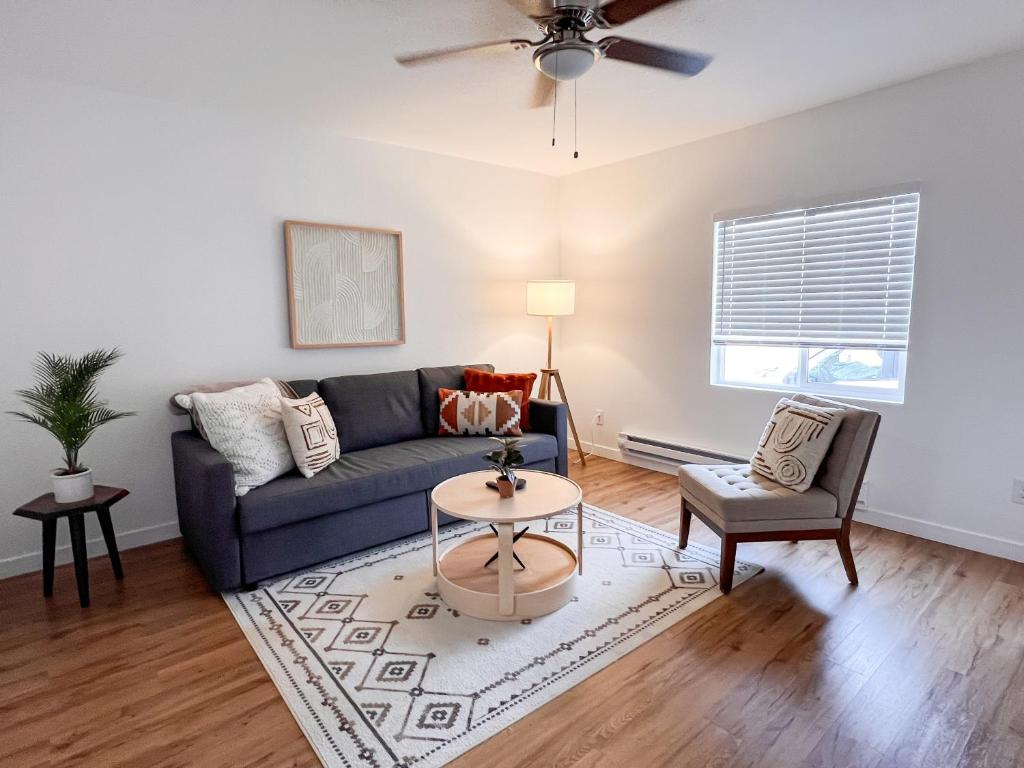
x=68, y=488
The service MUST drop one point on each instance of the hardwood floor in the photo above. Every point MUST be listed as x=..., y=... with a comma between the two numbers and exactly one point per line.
x=921, y=665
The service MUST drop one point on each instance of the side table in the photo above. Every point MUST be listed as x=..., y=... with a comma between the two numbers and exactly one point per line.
x=48, y=511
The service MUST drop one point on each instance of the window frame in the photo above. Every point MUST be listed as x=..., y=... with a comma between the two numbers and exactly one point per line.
x=866, y=394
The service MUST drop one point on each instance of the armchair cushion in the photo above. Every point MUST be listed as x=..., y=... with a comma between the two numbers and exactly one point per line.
x=735, y=493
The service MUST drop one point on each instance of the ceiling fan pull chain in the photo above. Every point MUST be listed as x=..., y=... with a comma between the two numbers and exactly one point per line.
x=575, y=130
x=554, y=105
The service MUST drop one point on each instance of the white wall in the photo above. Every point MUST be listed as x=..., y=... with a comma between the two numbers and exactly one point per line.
x=637, y=236
x=158, y=228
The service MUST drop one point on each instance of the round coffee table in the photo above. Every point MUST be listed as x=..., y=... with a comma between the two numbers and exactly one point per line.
x=532, y=574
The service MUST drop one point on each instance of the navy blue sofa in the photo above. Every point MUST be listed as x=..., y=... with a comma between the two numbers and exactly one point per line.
x=378, y=491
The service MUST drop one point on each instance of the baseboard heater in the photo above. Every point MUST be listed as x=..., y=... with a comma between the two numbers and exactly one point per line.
x=673, y=453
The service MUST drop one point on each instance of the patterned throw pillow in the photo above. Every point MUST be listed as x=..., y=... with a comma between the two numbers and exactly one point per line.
x=794, y=443
x=485, y=381
x=311, y=433
x=479, y=413
x=244, y=425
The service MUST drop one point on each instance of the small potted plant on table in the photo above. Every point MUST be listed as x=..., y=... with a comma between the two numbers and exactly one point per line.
x=505, y=461
x=64, y=403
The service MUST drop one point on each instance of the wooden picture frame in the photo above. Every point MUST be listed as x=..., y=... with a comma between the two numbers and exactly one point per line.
x=334, y=300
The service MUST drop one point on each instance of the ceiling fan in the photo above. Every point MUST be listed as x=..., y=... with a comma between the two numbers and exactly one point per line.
x=565, y=52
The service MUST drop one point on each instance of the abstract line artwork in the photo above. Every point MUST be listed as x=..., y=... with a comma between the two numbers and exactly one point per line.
x=344, y=285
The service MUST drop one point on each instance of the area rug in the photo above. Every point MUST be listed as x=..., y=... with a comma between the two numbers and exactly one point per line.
x=380, y=673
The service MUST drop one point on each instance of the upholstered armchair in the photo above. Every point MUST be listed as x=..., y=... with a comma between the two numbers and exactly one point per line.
x=740, y=505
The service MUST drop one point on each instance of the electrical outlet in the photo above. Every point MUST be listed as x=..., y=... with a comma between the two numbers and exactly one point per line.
x=598, y=417
x=1017, y=497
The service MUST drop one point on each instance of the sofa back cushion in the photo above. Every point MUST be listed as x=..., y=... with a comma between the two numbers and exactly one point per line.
x=433, y=379
x=374, y=409
x=303, y=387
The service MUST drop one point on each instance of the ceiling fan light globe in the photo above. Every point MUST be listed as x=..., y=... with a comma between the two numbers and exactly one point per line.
x=566, y=61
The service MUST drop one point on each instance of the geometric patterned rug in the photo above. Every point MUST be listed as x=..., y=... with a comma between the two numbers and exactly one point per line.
x=380, y=673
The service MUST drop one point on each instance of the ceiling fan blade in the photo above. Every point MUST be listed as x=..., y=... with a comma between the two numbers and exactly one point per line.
x=543, y=91
x=427, y=57
x=682, y=62
x=620, y=11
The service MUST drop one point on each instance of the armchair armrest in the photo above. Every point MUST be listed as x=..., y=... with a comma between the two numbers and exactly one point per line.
x=551, y=418
x=204, y=486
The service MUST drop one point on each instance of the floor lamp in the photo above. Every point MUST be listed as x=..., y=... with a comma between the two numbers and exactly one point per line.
x=551, y=299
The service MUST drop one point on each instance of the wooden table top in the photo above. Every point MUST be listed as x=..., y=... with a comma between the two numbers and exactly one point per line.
x=45, y=508
x=467, y=497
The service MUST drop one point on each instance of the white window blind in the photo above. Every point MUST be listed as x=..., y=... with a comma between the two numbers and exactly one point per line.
x=835, y=276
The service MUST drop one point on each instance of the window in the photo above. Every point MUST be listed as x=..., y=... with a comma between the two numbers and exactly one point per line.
x=816, y=299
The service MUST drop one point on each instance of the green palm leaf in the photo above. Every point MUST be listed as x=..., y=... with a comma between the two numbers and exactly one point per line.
x=64, y=401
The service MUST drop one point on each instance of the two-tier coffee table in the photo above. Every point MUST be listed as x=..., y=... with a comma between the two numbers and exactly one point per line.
x=533, y=574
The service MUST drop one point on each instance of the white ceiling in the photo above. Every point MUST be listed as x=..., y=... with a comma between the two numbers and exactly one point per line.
x=330, y=62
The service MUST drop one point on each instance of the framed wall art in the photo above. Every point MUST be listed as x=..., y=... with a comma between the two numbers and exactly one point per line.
x=345, y=285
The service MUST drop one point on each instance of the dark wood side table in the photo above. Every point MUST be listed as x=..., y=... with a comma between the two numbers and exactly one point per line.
x=48, y=511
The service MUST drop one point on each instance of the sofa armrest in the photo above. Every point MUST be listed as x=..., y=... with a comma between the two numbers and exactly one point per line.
x=551, y=418
x=204, y=485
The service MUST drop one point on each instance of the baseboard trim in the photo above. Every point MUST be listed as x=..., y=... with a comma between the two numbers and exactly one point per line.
x=912, y=526
x=33, y=561
x=946, y=534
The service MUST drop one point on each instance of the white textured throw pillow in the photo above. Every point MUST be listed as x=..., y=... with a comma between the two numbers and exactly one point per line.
x=244, y=425
x=183, y=399
x=311, y=433
x=794, y=443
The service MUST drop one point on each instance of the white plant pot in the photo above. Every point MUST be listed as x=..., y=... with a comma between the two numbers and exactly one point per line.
x=68, y=488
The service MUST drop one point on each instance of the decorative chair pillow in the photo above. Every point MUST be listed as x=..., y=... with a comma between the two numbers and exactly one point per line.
x=311, y=433
x=794, y=443
x=485, y=381
x=244, y=425
x=480, y=413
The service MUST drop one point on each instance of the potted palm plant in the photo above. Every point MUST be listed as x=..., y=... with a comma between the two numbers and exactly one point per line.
x=505, y=461
x=64, y=403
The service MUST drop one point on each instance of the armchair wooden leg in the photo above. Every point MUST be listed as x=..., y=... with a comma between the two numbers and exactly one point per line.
x=728, y=563
x=684, y=524
x=843, y=541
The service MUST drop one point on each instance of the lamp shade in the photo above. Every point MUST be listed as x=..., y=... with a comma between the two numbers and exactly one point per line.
x=550, y=297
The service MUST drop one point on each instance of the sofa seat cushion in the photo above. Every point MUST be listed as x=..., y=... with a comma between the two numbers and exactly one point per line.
x=375, y=474
x=734, y=492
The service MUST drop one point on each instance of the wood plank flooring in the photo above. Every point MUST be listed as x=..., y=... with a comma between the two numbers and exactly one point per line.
x=921, y=665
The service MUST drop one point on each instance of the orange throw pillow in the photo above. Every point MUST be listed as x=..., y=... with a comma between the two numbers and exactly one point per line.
x=485, y=381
